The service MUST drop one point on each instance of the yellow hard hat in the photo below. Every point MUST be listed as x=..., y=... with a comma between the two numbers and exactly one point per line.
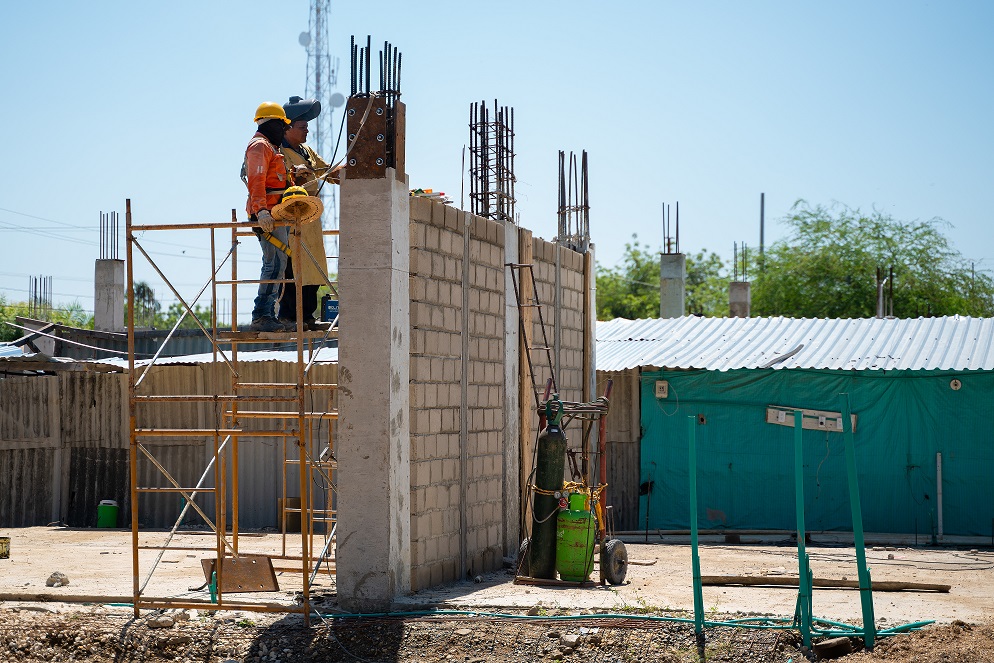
x=270, y=110
x=294, y=192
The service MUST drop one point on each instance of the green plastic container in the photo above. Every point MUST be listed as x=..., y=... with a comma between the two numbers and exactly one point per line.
x=107, y=513
x=575, y=529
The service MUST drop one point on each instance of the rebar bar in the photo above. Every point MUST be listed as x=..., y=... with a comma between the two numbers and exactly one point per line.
x=491, y=173
x=574, y=202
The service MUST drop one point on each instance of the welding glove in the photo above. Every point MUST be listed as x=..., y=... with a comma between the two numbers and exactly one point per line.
x=265, y=221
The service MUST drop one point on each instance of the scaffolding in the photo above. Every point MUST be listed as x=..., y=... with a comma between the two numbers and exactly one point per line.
x=242, y=412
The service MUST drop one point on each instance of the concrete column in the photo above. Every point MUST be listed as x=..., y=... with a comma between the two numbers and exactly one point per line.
x=373, y=556
x=512, y=389
x=738, y=299
x=672, y=285
x=108, y=311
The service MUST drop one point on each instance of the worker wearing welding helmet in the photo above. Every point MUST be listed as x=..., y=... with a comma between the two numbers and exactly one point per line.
x=265, y=176
x=306, y=168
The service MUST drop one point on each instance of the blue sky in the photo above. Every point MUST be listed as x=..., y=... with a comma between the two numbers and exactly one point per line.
x=883, y=104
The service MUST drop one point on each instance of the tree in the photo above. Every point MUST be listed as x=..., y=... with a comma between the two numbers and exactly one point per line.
x=631, y=288
x=71, y=315
x=827, y=267
x=175, y=310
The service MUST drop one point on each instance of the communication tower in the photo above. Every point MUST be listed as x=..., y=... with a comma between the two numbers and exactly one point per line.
x=322, y=77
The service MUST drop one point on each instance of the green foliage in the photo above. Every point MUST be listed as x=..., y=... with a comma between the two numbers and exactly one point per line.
x=148, y=311
x=72, y=315
x=631, y=289
x=827, y=267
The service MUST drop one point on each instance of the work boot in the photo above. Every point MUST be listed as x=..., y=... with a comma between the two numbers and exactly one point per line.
x=267, y=323
x=288, y=324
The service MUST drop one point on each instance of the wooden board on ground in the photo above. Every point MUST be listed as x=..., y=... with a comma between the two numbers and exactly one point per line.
x=789, y=581
x=245, y=573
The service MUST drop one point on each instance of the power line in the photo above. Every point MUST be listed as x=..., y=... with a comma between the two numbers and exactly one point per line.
x=42, y=232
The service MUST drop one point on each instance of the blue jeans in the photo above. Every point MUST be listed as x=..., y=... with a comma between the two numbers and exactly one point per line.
x=273, y=266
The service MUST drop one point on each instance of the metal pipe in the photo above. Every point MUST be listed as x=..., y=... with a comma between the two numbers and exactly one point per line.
x=762, y=227
x=804, y=590
x=695, y=559
x=865, y=586
x=132, y=410
x=938, y=491
x=602, y=451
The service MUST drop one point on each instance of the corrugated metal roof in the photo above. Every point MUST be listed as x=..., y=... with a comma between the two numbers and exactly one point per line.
x=327, y=355
x=723, y=344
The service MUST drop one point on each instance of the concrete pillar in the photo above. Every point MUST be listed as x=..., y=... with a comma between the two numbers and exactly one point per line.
x=512, y=387
x=373, y=556
x=108, y=311
x=672, y=285
x=738, y=299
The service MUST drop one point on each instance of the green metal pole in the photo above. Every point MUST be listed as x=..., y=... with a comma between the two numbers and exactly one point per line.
x=694, y=556
x=803, y=575
x=865, y=585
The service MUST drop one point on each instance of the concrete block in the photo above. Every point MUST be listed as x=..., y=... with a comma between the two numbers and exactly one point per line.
x=432, y=238
x=450, y=319
x=452, y=218
x=421, y=578
x=449, y=570
x=478, y=227
x=421, y=209
x=417, y=234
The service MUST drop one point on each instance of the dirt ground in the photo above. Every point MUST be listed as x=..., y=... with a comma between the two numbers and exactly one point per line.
x=597, y=623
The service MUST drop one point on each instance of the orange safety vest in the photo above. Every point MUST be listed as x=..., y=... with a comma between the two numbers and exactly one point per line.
x=265, y=171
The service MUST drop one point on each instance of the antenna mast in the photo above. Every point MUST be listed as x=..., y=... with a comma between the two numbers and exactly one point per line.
x=322, y=78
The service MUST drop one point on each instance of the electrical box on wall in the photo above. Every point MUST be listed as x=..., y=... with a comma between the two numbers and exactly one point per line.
x=662, y=389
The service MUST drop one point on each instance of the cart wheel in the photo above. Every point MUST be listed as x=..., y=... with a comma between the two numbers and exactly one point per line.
x=614, y=561
x=524, y=567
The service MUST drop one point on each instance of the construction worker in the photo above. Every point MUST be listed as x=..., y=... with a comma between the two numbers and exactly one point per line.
x=266, y=178
x=307, y=169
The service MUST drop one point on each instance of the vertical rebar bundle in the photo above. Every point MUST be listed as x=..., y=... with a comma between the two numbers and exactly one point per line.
x=671, y=241
x=40, y=297
x=491, y=170
x=740, y=261
x=390, y=64
x=108, y=236
x=574, y=203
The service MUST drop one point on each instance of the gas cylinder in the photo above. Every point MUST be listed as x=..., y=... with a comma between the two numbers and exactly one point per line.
x=550, y=466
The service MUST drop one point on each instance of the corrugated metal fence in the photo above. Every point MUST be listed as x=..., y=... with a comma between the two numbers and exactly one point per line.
x=64, y=445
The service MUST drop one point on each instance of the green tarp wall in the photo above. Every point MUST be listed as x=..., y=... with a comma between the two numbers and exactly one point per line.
x=745, y=465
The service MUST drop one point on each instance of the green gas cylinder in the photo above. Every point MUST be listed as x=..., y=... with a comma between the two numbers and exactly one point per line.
x=550, y=464
x=575, y=529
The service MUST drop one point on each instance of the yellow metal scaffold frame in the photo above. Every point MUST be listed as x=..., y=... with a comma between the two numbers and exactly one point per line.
x=297, y=430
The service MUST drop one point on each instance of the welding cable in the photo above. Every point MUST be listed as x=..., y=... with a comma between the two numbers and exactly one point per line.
x=362, y=123
x=777, y=623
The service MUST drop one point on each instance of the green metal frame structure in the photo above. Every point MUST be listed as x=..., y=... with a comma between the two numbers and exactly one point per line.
x=803, y=618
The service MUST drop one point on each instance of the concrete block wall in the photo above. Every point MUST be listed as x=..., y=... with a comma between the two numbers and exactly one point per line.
x=460, y=440
x=558, y=265
x=457, y=376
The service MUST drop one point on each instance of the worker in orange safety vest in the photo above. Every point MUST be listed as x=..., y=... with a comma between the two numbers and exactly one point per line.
x=266, y=178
